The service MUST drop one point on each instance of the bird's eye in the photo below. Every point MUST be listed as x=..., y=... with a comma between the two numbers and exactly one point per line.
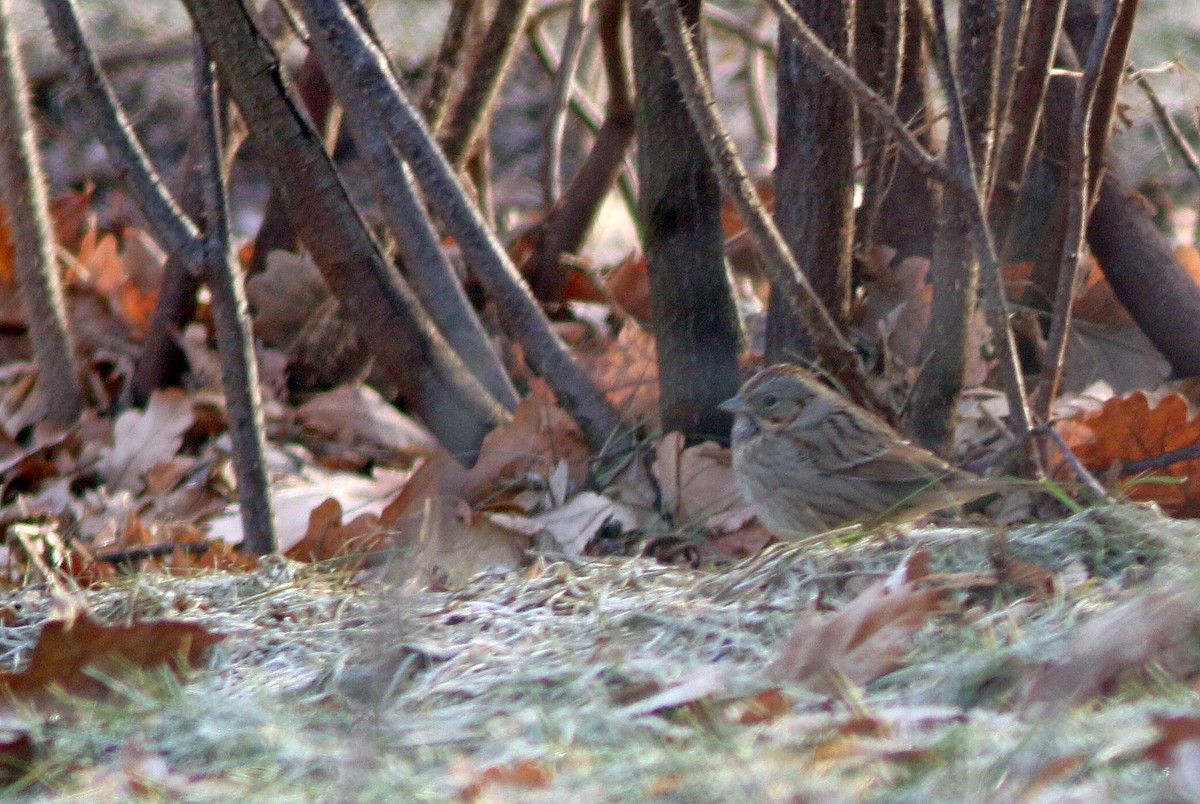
x=770, y=400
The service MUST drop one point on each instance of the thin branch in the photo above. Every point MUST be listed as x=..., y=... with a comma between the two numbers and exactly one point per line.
x=132, y=54
x=785, y=274
x=732, y=24
x=869, y=102
x=1087, y=478
x=1079, y=182
x=173, y=230
x=1162, y=460
x=429, y=375
x=1164, y=118
x=474, y=106
x=584, y=108
x=231, y=321
x=556, y=116
x=1025, y=110
x=423, y=261
x=963, y=182
x=565, y=225
x=36, y=270
x=441, y=72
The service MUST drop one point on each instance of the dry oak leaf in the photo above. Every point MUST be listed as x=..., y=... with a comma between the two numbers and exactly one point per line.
x=698, y=486
x=525, y=774
x=868, y=636
x=75, y=657
x=1133, y=427
x=142, y=439
x=328, y=538
x=539, y=436
x=625, y=370
x=1125, y=639
x=358, y=414
x=441, y=541
x=629, y=287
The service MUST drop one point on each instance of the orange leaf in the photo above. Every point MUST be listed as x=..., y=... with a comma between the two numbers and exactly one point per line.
x=629, y=287
x=1130, y=428
x=526, y=773
x=625, y=369
x=75, y=657
x=538, y=437
x=328, y=538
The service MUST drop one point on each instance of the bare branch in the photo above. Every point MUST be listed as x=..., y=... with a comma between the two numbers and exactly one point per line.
x=170, y=227
x=36, y=270
x=231, y=321
x=1079, y=183
x=357, y=69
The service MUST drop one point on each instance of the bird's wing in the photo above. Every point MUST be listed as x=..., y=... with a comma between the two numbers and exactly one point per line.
x=859, y=446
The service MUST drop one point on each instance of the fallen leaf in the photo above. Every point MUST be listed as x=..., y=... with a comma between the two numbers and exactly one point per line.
x=1120, y=641
x=294, y=504
x=701, y=683
x=764, y=707
x=527, y=774
x=357, y=414
x=539, y=436
x=697, y=485
x=142, y=439
x=628, y=285
x=1133, y=427
x=76, y=657
x=625, y=370
x=285, y=296
x=575, y=523
x=868, y=636
x=1177, y=751
x=327, y=537
x=445, y=544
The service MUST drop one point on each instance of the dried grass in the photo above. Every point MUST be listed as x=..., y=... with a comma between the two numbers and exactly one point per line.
x=330, y=690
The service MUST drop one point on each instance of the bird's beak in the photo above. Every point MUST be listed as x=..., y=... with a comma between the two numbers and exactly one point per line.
x=735, y=405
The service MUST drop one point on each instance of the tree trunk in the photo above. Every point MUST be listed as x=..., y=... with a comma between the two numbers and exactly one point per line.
x=695, y=319
x=814, y=175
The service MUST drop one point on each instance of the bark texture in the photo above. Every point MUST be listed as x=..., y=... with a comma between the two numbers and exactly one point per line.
x=695, y=319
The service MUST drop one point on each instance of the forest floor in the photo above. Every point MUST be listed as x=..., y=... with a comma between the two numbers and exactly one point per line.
x=1052, y=662
x=1045, y=662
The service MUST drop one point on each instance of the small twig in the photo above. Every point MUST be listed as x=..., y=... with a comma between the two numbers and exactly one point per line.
x=556, y=115
x=1164, y=118
x=142, y=552
x=133, y=54
x=441, y=71
x=231, y=322
x=585, y=111
x=471, y=111
x=1162, y=460
x=1078, y=184
x=1087, y=478
x=730, y=23
x=757, y=103
x=173, y=230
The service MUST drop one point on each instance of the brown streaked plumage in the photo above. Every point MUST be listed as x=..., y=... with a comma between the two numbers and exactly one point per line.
x=808, y=460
